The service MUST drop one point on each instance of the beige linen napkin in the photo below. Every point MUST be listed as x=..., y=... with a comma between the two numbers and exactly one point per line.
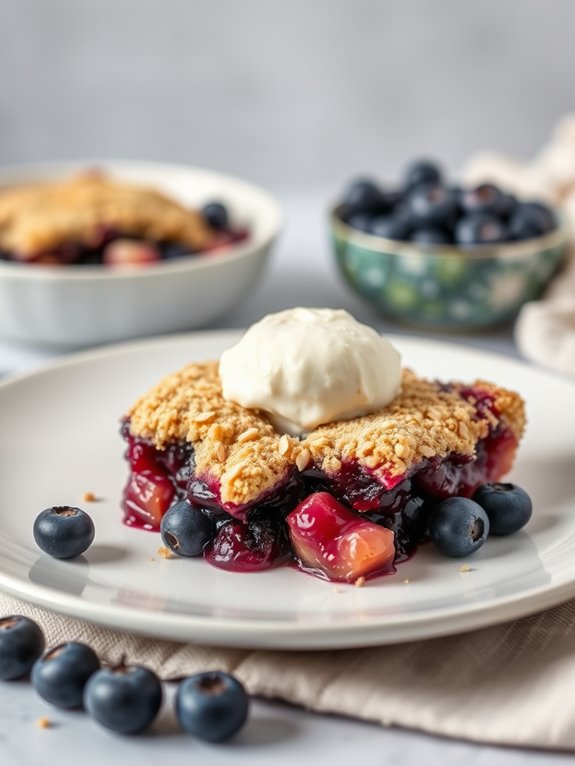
x=512, y=684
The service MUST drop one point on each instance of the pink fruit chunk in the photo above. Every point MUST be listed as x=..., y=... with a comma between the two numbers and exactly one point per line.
x=147, y=497
x=128, y=252
x=336, y=543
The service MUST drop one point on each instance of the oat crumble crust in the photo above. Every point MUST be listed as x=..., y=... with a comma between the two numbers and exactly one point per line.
x=241, y=449
x=40, y=217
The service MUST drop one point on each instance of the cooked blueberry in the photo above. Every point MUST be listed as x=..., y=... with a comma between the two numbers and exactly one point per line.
x=430, y=236
x=63, y=532
x=363, y=195
x=480, y=229
x=458, y=526
x=125, y=699
x=432, y=205
x=62, y=673
x=171, y=250
x=21, y=643
x=259, y=544
x=390, y=227
x=187, y=529
x=360, y=221
x=422, y=172
x=216, y=215
x=486, y=198
x=531, y=219
x=508, y=506
x=212, y=706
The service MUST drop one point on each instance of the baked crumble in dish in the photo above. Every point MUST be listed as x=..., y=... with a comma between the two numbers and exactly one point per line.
x=93, y=219
x=348, y=500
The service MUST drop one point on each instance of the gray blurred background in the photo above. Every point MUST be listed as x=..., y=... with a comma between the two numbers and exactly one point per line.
x=295, y=95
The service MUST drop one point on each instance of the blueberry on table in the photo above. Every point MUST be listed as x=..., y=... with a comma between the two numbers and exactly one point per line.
x=430, y=236
x=125, y=699
x=63, y=531
x=187, y=529
x=21, y=643
x=216, y=215
x=531, y=219
x=432, y=205
x=422, y=172
x=363, y=196
x=212, y=706
x=61, y=674
x=508, y=506
x=480, y=229
x=458, y=526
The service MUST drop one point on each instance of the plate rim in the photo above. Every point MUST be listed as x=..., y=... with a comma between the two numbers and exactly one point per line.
x=278, y=634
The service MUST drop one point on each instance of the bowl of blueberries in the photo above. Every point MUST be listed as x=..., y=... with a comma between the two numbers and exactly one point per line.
x=99, y=251
x=444, y=256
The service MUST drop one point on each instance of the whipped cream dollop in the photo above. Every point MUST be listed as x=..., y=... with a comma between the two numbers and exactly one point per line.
x=305, y=367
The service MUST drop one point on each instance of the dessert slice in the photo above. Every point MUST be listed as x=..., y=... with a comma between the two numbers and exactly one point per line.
x=384, y=469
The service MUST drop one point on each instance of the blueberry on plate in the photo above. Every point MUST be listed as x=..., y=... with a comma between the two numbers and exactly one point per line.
x=216, y=215
x=61, y=674
x=422, y=172
x=187, y=529
x=363, y=196
x=431, y=205
x=391, y=226
x=21, y=643
x=212, y=706
x=480, y=229
x=508, y=506
x=430, y=235
x=125, y=699
x=63, y=531
x=458, y=526
x=531, y=219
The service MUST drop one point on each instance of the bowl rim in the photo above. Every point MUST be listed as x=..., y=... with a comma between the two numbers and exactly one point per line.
x=558, y=236
x=177, y=266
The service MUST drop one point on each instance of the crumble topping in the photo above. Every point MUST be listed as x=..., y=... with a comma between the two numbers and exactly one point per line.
x=41, y=217
x=241, y=449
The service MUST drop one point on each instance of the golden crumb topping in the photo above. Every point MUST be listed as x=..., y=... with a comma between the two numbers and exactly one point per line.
x=40, y=217
x=242, y=450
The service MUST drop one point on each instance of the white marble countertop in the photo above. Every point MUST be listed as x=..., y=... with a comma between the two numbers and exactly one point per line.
x=276, y=732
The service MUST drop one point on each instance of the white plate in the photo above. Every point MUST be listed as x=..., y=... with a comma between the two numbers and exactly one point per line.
x=59, y=438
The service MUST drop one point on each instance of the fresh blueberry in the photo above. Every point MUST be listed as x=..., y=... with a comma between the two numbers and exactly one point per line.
x=216, y=215
x=486, y=198
x=63, y=532
x=187, y=529
x=431, y=205
x=363, y=196
x=458, y=526
x=508, y=506
x=62, y=673
x=360, y=221
x=212, y=706
x=430, y=236
x=480, y=229
x=531, y=219
x=125, y=699
x=390, y=227
x=422, y=172
x=21, y=643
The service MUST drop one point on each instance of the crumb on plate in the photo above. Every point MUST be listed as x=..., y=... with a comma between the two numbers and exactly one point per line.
x=164, y=552
x=89, y=497
x=359, y=582
x=44, y=722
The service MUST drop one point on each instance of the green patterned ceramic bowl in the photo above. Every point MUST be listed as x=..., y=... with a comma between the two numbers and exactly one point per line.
x=443, y=286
